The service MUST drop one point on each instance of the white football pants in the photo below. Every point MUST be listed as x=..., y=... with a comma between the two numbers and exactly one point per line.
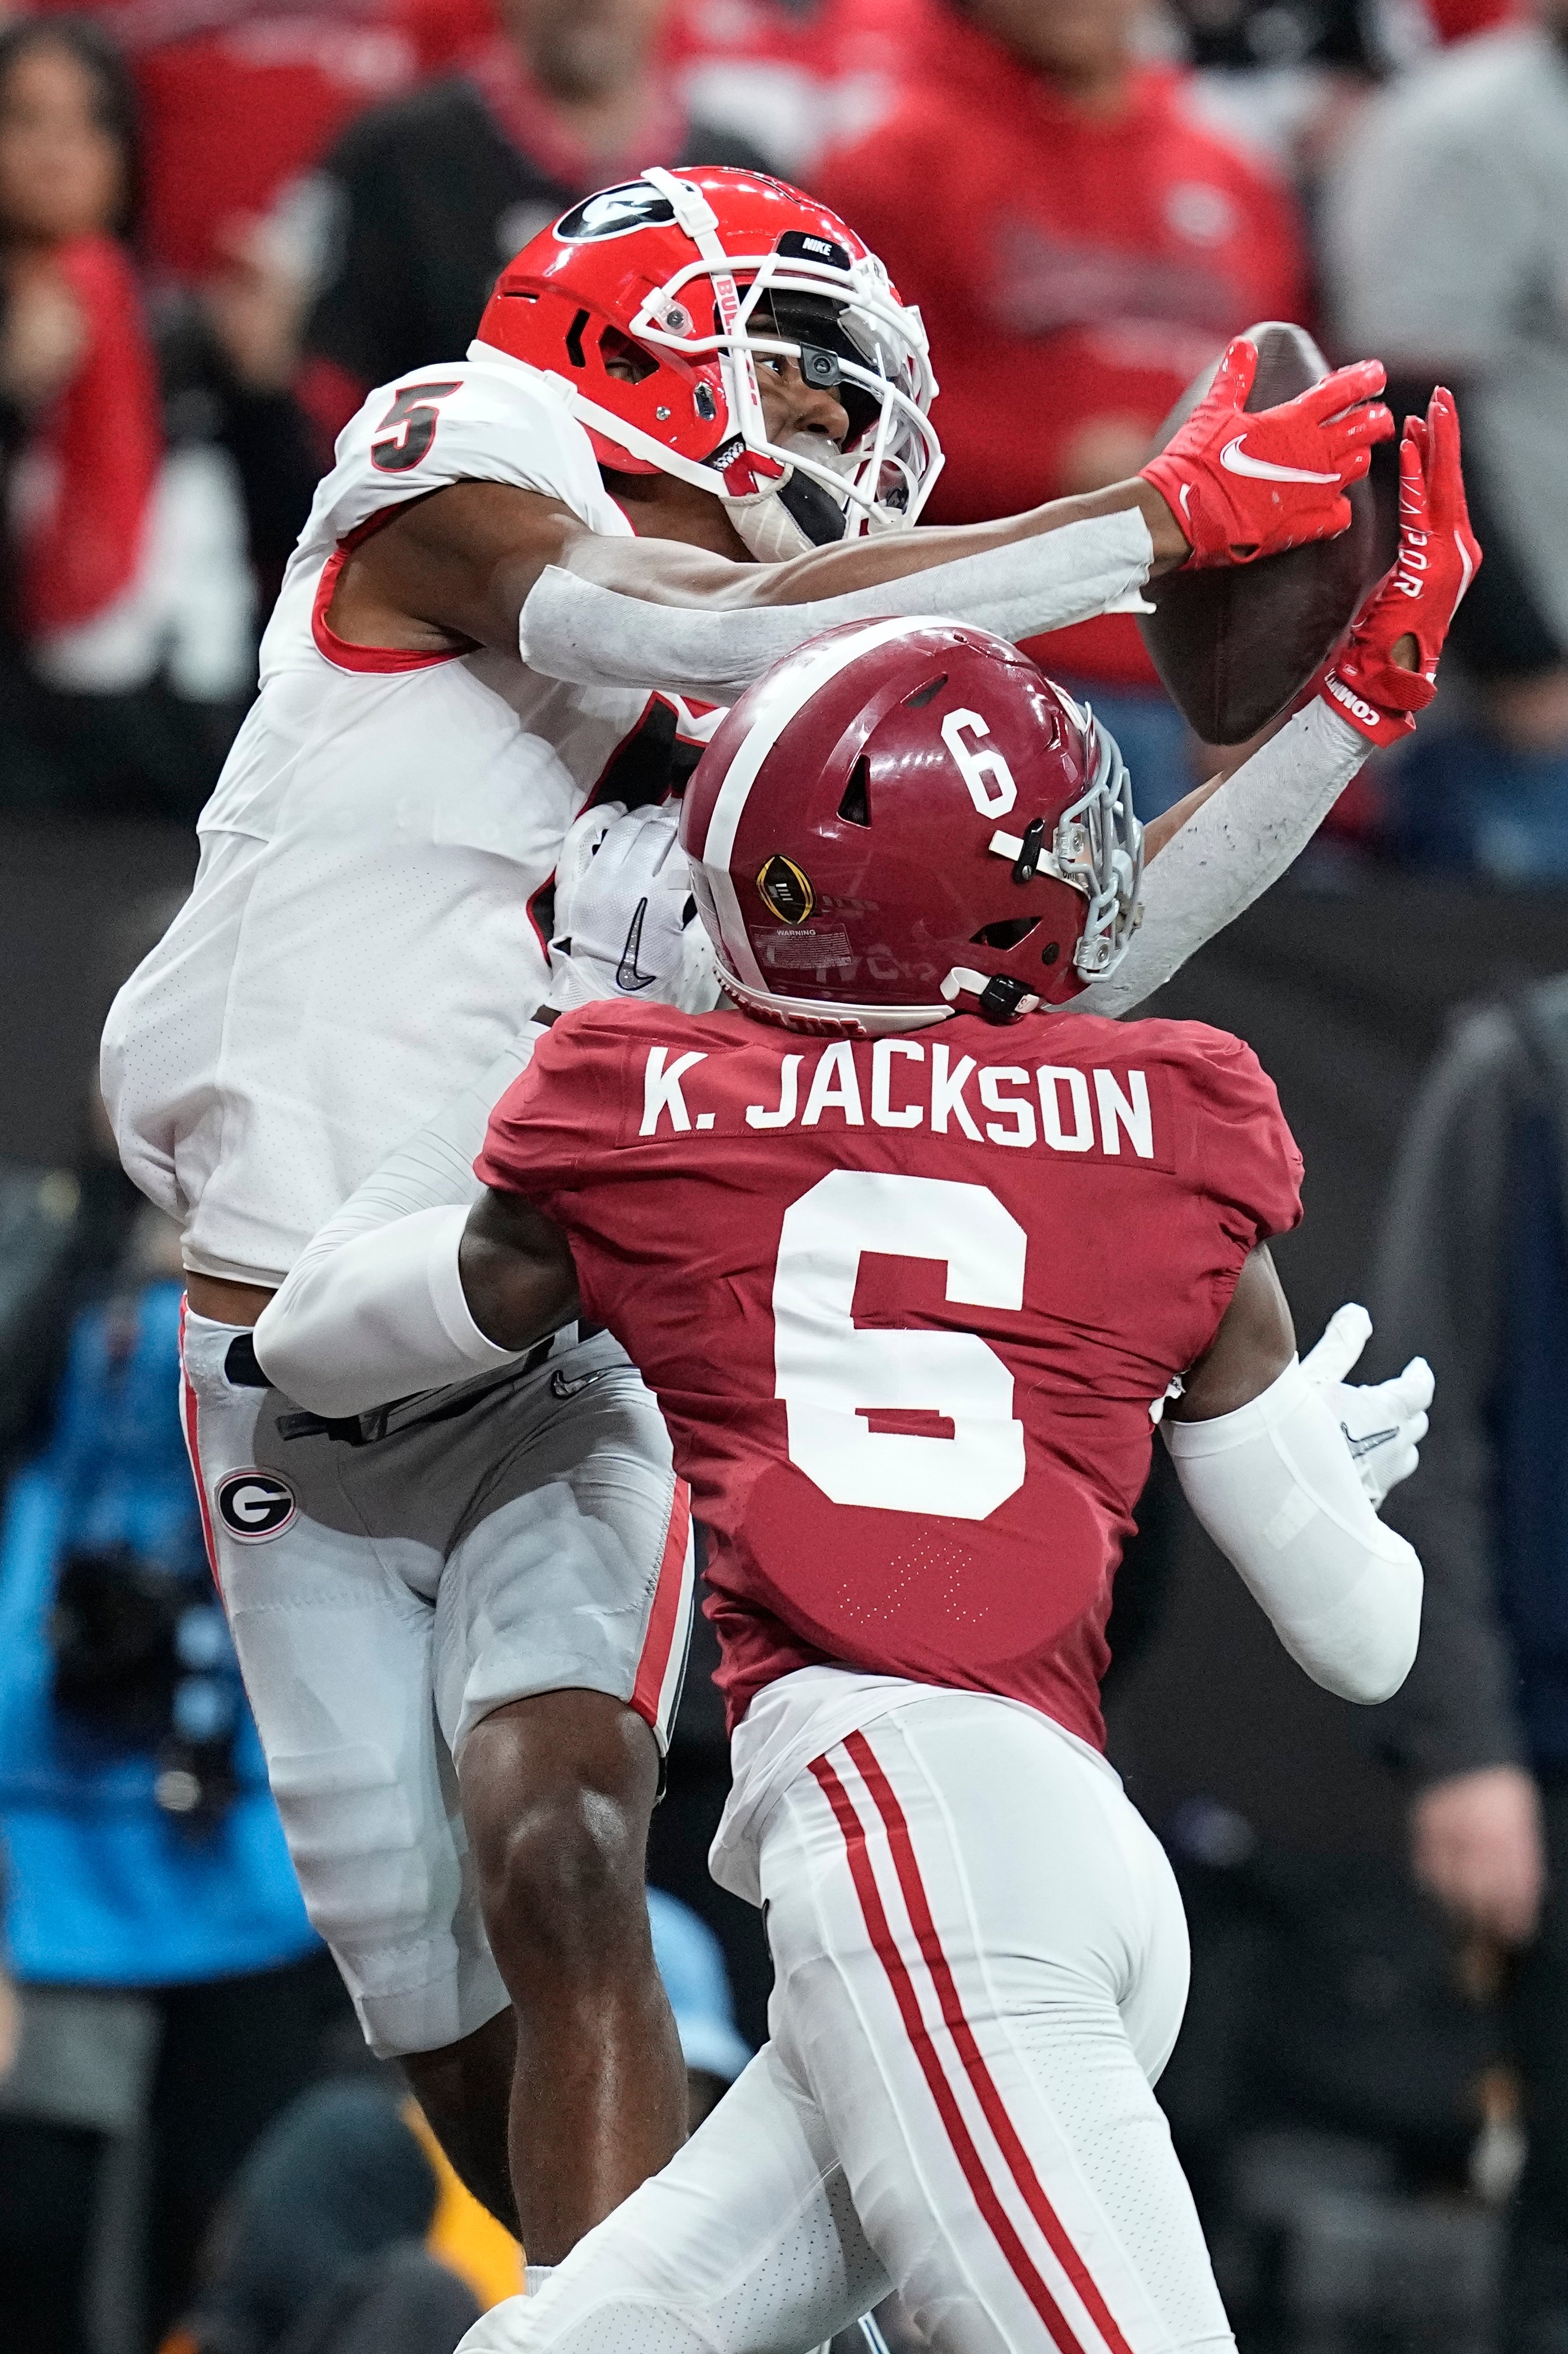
x=522, y=1533
x=981, y=1964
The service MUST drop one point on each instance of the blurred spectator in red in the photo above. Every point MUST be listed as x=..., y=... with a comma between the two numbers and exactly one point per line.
x=238, y=101
x=238, y=106
x=239, y=97
x=1079, y=245
x=126, y=585
x=797, y=76
x=76, y=368
x=432, y=195
x=1456, y=20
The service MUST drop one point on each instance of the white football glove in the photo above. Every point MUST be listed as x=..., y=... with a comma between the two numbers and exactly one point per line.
x=622, y=905
x=1384, y=1422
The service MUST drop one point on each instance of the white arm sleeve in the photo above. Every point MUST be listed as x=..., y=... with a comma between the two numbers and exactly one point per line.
x=1231, y=850
x=372, y=1308
x=1276, y=1488
x=571, y=629
x=383, y=1317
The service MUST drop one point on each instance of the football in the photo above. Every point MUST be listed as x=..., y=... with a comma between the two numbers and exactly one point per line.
x=1234, y=644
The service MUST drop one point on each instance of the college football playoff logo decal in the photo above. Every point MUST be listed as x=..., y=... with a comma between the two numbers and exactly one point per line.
x=255, y=1505
x=785, y=890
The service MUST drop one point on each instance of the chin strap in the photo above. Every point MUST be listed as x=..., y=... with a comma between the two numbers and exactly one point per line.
x=694, y=215
x=789, y=518
x=1000, y=996
x=767, y=527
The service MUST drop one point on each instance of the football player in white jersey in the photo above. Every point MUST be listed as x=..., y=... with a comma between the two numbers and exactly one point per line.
x=691, y=435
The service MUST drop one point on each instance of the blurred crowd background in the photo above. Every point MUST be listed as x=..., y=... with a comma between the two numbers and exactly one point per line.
x=221, y=222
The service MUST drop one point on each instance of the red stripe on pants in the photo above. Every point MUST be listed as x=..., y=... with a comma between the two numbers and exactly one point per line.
x=190, y=1423
x=1002, y=2231
x=664, y=1616
x=1019, y=2165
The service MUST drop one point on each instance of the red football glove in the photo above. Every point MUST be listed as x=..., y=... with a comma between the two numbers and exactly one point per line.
x=1438, y=557
x=1244, y=486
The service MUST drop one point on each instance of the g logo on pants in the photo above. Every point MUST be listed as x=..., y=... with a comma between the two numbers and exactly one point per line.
x=255, y=1505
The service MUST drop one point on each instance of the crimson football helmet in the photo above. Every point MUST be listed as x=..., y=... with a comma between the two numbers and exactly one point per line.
x=648, y=302
x=906, y=820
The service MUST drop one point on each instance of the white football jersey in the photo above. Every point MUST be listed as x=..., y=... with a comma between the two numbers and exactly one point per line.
x=365, y=932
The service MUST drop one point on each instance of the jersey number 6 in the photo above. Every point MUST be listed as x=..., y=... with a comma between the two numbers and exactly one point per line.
x=833, y=1374
x=413, y=410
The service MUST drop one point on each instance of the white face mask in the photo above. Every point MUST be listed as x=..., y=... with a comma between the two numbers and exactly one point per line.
x=769, y=303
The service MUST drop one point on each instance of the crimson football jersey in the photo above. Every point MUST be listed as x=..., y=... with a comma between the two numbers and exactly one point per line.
x=906, y=1305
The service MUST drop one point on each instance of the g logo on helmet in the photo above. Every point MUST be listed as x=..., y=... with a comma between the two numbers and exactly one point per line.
x=254, y=1505
x=615, y=212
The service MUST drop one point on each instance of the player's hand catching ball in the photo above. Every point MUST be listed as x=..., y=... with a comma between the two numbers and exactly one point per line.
x=1244, y=484
x=622, y=905
x=1384, y=1422
x=1380, y=681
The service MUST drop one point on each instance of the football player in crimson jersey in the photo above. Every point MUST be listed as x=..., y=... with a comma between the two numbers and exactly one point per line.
x=692, y=432
x=915, y=1257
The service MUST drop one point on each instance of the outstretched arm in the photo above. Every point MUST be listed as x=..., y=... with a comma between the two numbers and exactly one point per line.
x=373, y=1307
x=1238, y=837
x=1268, y=1459
x=483, y=564
x=517, y=1270
x=415, y=1301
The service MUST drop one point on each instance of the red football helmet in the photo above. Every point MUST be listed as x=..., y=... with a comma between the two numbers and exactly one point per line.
x=906, y=820
x=676, y=280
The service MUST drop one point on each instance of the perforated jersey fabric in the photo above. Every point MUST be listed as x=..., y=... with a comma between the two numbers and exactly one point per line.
x=363, y=935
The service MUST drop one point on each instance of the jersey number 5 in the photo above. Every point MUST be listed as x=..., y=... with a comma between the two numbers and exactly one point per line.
x=414, y=410
x=833, y=1376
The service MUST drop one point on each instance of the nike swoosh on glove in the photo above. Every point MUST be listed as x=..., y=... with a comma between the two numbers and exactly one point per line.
x=1439, y=556
x=622, y=905
x=1244, y=486
x=1384, y=1422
